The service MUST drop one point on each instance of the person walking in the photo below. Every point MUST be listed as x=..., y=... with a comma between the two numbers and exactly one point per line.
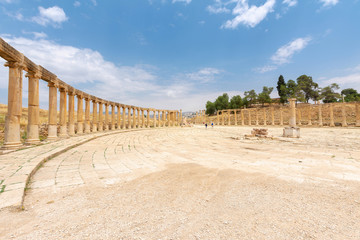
x=206, y=125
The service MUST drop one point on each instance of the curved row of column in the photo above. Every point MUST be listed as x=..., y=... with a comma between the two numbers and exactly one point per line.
x=93, y=121
x=244, y=116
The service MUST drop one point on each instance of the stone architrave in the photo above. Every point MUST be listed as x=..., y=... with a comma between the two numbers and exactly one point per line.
x=106, y=124
x=332, y=123
x=357, y=112
x=242, y=117
x=309, y=115
x=95, y=117
x=281, y=116
x=52, y=124
x=320, y=115
x=264, y=116
x=63, y=127
x=123, y=123
x=101, y=117
x=12, y=120
x=33, y=109
x=87, y=115
x=343, y=111
x=80, y=121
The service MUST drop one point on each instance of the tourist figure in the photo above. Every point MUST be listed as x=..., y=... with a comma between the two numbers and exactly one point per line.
x=205, y=125
x=212, y=124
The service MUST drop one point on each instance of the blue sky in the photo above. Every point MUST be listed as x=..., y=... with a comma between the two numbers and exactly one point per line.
x=177, y=54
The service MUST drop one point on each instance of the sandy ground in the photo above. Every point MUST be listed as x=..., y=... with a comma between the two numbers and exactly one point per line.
x=194, y=183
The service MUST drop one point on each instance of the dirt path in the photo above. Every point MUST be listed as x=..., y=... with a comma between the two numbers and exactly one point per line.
x=197, y=184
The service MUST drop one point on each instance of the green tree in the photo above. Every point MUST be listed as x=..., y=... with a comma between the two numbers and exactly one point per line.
x=308, y=87
x=250, y=97
x=329, y=95
x=235, y=102
x=350, y=95
x=293, y=91
x=281, y=88
x=222, y=102
x=210, y=108
x=264, y=96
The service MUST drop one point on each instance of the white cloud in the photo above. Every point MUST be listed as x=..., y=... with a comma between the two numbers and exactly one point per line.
x=87, y=70
x=94, y=2
x=328, y=3
x=249, y=15
x=204, y=75
x=285, y=53
x=347, y=81
x=290, y=3
x=77, y=4
x=217, y=9
x=52, y=15
x=184, y=1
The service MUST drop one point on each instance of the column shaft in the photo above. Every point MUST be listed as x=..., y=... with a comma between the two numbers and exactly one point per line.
x=80, y=117
x=63, y=127
x=332, y=124
x=33, y=109
x=129, y=118
x=112, y=117
x=292, y=120
x=12, y=120
x=123, y=125
x=320, y=115
x=265, y=117
x=95, y=116
x=52, y=118
x=106, y=124
x=101, y=117
x=71, y=127
x=134, y=118
x=87, y=115
x=357, y=110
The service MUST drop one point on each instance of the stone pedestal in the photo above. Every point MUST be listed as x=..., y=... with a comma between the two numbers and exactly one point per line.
x=292, y=132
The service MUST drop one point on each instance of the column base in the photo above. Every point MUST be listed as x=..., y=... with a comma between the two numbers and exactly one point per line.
x=357, y=123
x=63, y=132
x=100, y=128
x=94, y=129
x=11, y=146
x=80, y=128
x=34, y=141
x=291, y=132
x=33, y=135
x=52, y=132
x=87, y=128
x=71, y=129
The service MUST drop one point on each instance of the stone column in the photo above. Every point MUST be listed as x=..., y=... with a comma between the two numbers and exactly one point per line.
x=180, y=118
x=257, y=117
x=272, y=116
x=138, y=115
x=332, y=124
x=12, y=120
x=229, y=122
x=80, y=121
x=118, y=117
x=235, y=117
x=71, y=114
x=129, y=118
x=112, y=117
x=292, y=119
x=95, y=116
x=265, y=117
x=249, y=115
x=63, y=127
x=148, y=118
x=281, y=116
x=357, y=112
x=87, y=115
x=164, y=118
x=123, y=124
x=299, y=116
x=142, y=118
x=242, y=117
x=343, y=111
x=309, y=115
x=222, y=118
x=320, y=115
x=52, y=125
x=101, y=117
x=134, y=118
x=106, y=124
x=217, y=117
x=33, y=109
x=154, y=118
x=159, y=119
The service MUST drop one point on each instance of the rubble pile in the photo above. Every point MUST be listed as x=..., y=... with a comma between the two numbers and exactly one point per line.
x=259, y=132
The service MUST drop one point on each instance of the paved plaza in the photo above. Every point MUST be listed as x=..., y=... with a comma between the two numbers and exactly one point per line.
x=188, y=183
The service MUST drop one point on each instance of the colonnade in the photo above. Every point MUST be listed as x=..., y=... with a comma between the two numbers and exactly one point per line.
x=329, y=114
x=122, y=116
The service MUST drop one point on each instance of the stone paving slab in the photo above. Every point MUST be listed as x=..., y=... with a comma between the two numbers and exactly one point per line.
x=17, y=167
